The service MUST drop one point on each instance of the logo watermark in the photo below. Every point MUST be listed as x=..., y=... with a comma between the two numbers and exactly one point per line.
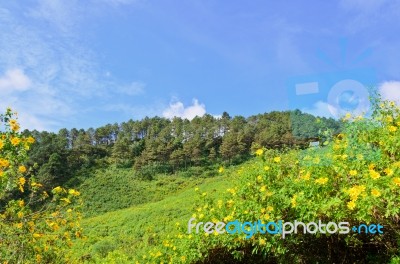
x=333, y=94
x=281, y=227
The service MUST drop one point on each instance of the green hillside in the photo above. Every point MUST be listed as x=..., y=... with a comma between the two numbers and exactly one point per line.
x=129, y=233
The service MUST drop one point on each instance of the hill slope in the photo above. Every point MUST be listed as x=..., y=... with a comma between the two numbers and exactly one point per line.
x=130, y=233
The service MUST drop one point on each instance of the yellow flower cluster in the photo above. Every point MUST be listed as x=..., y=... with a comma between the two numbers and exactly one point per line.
x=322, y=180
x=356, y=191
x=14, y=125
x=4, y=163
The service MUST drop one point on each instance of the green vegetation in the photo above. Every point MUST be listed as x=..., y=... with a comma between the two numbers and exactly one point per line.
x=123, y=235
x=354, y=179
x=35, y=226
x=141, y=181
x=112, y=189
x=158, y=145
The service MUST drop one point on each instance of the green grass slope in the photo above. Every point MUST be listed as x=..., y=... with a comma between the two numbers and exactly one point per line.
x=113, y=189
x=123, y=235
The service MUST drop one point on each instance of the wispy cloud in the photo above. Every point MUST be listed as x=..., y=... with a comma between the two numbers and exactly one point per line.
x=47, y=75
x=135, y=88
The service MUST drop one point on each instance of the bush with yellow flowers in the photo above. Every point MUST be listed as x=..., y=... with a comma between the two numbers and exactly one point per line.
x=354, y=178
x=35, y=226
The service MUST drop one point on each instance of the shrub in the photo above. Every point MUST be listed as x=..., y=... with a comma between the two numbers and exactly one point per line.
x=354, y=178
x=35, y=226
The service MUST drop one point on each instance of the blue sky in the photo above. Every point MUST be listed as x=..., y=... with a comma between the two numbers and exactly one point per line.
x=88, y=63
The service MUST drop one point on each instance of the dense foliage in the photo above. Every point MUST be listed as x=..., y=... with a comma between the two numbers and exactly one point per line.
x=35, y=226
x=159, y=145
x=354, y=178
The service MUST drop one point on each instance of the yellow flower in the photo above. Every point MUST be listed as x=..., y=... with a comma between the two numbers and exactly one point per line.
x=268, y=193
x=355, y=191
x=34, y=184
x=262, y=242
x=270, y=208
x=259, y=152
x=58, y=189
x=347, y=116
x=21, y=180
x=375, y=192
x=317, y=160
x=4, y=163
x=307, y=176
x=389, y=172
x=183, y=258
x=14, y=125
x=19, y=225
x=73, y=192
x=22, y=169
x=15, y=141
x=392, y=128
x=266, y=168
x=263, y=188
x=351, y=205
x=1, y=144
x=293, y=201
x=277, y=159
x=374, y=174
x=396, y=181
x=360, y=157
x=30, y=140
x=353, y=172
x=322, y=180
x=21, y=203
x=66, y=200
x=221, y=169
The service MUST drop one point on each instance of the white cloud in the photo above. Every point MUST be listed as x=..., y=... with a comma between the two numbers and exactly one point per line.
x=321, y=109
x=14, y=80
x=390, y=91
x=177, y=109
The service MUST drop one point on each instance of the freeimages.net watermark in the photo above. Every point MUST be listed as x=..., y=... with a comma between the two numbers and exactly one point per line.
x=281, y=227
